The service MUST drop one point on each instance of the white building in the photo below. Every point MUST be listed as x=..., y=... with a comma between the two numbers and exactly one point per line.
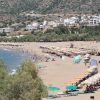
x=70, y=21
x=84, y=19
x=1, y=30
x=52, y=24
x=6, y=30
x=94, y=21
x=45, y=23
x=42, y=26
x=33, y=26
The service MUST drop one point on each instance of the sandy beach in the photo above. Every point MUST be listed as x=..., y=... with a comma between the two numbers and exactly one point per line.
x=60, y=71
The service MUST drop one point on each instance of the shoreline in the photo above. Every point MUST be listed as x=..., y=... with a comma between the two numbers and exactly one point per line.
x=13, y=58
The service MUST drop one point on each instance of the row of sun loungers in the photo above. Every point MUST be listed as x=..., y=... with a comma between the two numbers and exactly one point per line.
x=66, y=51
x=59, y=95
x=93, y=78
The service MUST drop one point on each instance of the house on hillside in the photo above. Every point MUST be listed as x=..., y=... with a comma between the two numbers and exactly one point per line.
x=84, y=20
x=33, y=26
x=6, y=30
x=17, y=26
x=70, y=21
x=43, y=25
x=94, y=21
x=52, y=24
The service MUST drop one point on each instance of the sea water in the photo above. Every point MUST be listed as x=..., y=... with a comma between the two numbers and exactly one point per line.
x=13, y=58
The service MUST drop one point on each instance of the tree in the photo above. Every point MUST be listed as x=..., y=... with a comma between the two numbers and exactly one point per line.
x=26, y=84
x=3, y=80
x=3, y=34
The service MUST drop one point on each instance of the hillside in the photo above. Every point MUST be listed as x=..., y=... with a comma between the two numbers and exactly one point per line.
x=49, y=6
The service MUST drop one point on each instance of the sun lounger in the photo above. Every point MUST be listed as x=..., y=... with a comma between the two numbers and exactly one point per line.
x=53, y=96
x=60, y=93
x=80, y=92
x=70, y=94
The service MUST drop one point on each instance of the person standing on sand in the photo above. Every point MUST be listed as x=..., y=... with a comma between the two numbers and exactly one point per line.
x=71, y=45
x=87, y=59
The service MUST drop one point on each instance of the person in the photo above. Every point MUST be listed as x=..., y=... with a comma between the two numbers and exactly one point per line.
x=99, y=61
x=91, y=97
x=66, y=92
x=71, y=45
x=86, y=59
x=93, y=69
x=98, y=53
x=87, y=89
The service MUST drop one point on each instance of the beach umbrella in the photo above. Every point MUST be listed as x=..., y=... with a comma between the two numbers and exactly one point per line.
x=77, y=59
x=93, y=62
x=87, y=56
x=71, y=87
x=53, y=88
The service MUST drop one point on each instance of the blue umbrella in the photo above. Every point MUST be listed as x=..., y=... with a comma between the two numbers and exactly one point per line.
x=71, y=87
x=93, y=62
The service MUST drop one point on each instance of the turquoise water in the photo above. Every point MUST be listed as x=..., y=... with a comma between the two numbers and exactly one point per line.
x=13, y=58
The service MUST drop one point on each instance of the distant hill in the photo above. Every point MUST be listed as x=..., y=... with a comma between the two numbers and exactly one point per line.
x=49, y=6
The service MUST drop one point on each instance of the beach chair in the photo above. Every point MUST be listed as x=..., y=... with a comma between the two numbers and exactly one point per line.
x=80, y=92
x=70, y=94
x=51, y=96
x=60, y=93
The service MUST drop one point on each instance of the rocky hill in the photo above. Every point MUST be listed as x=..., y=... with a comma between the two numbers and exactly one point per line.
x=50, y=6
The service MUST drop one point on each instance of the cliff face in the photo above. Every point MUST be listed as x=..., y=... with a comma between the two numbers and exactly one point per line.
x=50, y=6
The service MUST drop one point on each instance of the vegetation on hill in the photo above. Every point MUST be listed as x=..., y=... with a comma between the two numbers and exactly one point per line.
x=24, y=85
x=49, y=6
x=61, y=33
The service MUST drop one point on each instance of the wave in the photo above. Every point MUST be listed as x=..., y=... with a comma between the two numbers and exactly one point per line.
x=6, y=49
